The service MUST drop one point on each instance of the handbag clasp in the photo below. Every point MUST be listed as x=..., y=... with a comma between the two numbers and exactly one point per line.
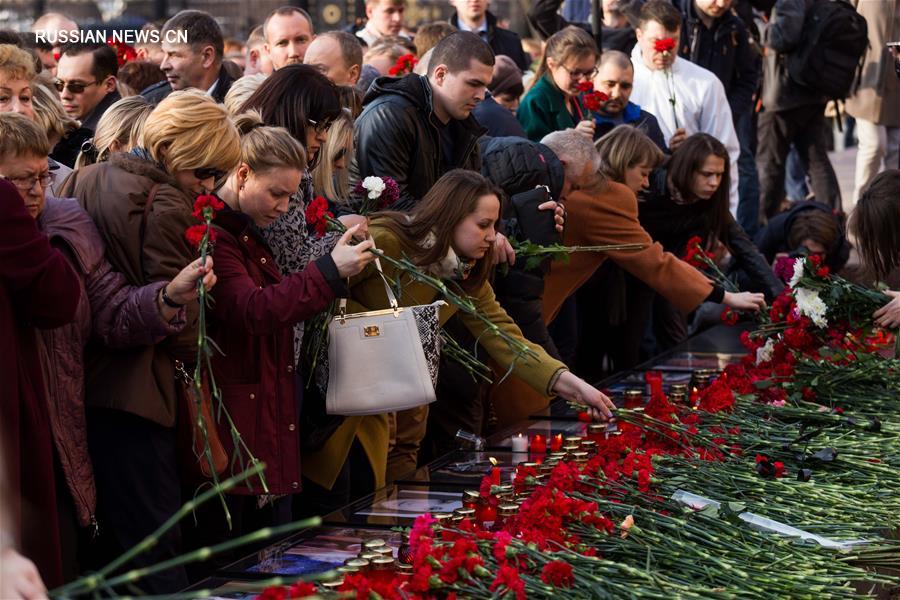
x=371, y=331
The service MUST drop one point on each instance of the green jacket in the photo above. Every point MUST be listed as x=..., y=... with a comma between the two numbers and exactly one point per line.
x=543, y=110
x=367, y=293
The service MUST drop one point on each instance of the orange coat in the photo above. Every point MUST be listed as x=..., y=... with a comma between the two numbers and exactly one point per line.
x=604, y=218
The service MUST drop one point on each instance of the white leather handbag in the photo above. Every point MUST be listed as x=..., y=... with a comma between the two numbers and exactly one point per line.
x=382, y=361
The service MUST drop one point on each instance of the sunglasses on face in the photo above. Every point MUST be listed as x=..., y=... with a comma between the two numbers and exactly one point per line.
x=76, y=87
x=205, y=173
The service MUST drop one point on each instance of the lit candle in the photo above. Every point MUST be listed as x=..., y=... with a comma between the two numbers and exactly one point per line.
x=519, y=443
x=538, y=444
x=556, y=443
x=695, y=397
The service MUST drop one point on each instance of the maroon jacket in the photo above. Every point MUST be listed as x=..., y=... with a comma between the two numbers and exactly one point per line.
x=252, y=322
x=113, y=314
x=37, y=289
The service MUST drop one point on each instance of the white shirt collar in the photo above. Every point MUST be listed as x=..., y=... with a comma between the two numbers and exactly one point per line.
x=212, y=88
x=481, y=28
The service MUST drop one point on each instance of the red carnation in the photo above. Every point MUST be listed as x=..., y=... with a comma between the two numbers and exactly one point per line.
x=558, y=574
x=194, y=235
x=124, y=52
x=404, y=65
x=301, y=589
x=206, y=200
x=508, y=576
x=730, y=316
x=317, y=215
x=664, y=45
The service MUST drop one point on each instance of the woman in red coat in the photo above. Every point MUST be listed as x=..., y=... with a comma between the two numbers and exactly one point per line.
x=37, y=289
x=255, y=312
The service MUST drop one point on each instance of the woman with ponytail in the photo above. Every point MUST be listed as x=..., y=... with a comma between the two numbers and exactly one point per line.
x=255, y=312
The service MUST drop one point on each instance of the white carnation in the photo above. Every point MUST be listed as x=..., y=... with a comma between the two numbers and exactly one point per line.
x=798, y=273
x=764, y=353
x=375, y=185
x=811, y=305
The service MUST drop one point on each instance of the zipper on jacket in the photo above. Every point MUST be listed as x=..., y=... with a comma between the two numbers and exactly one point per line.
x=95, y=527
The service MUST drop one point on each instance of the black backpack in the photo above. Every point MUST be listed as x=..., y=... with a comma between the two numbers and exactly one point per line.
x=829, y=56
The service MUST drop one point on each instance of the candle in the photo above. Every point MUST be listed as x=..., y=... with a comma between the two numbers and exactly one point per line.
x=495, y=475
x=556, y=443
x=519, y=443
x=695, y=397
x=538, y=444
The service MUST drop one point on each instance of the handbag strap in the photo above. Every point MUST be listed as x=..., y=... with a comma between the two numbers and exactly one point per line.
x=392, y=299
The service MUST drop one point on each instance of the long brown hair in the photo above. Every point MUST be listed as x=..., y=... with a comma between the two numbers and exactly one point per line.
x=687, y=160
x=450, y=200
x=875, y=223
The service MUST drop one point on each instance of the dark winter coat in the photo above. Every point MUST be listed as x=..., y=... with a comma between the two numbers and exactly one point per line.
x=502, y=41
x=114, y=193
x=158, y=91
x=783, y=36
x=112, y=312
x=727, y=50
x=398, y=135
x=517, y=165
x=38, y=288
x=773, y=238
x=253, y=323
x=497, y=119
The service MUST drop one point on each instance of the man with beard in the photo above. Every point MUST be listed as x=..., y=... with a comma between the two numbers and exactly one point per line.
x=615, y=78
x=288, y=32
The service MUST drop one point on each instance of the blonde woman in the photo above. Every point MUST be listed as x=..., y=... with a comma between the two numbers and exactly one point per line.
x=119, y=130
x=331, y=178
x=628, y=156
x=552, y=103
x=64, y=133
x=16, y=75
x=240, y=90
x=188, y=143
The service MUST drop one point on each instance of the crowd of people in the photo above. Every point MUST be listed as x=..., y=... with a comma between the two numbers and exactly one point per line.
x=679, y=120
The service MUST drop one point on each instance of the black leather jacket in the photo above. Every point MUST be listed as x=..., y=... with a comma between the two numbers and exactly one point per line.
x=397, y=135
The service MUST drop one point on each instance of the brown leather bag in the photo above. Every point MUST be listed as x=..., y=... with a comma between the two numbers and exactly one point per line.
x=191, y=448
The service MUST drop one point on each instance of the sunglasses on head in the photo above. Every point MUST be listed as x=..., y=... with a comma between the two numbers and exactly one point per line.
x=204, y=173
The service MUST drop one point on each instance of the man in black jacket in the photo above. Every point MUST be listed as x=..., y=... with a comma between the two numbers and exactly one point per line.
x=417, y=128
x=473, y=15
x=196, y=64
x=715, y=38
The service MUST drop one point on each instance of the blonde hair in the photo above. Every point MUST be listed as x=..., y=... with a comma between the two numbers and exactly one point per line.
x=188, y=130
x=240, y=90
x=570, y=43
x=49, y=112
x=121, y=124
x=335, y=185
x=16, y=63
x=625, y=147
x=264, y=148
x=20, y=136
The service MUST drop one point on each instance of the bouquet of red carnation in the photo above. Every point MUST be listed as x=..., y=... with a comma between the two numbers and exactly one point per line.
x=404, y=65
x=318, y=216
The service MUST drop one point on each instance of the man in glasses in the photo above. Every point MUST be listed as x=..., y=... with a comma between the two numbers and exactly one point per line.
x=196, y=64
x=86, y=80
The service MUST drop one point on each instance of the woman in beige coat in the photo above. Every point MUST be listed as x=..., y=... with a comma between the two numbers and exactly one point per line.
x=876, y=102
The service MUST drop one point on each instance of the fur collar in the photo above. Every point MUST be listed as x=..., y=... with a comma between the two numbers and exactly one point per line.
x=139, y=166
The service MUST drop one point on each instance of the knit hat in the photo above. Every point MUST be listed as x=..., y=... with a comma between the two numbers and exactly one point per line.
x=507, y=77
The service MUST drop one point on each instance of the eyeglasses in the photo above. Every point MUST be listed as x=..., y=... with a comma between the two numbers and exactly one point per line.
x=204, y=173
x=320, y=127
x=76, y=87
x=25, y=184
x=579, y=74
